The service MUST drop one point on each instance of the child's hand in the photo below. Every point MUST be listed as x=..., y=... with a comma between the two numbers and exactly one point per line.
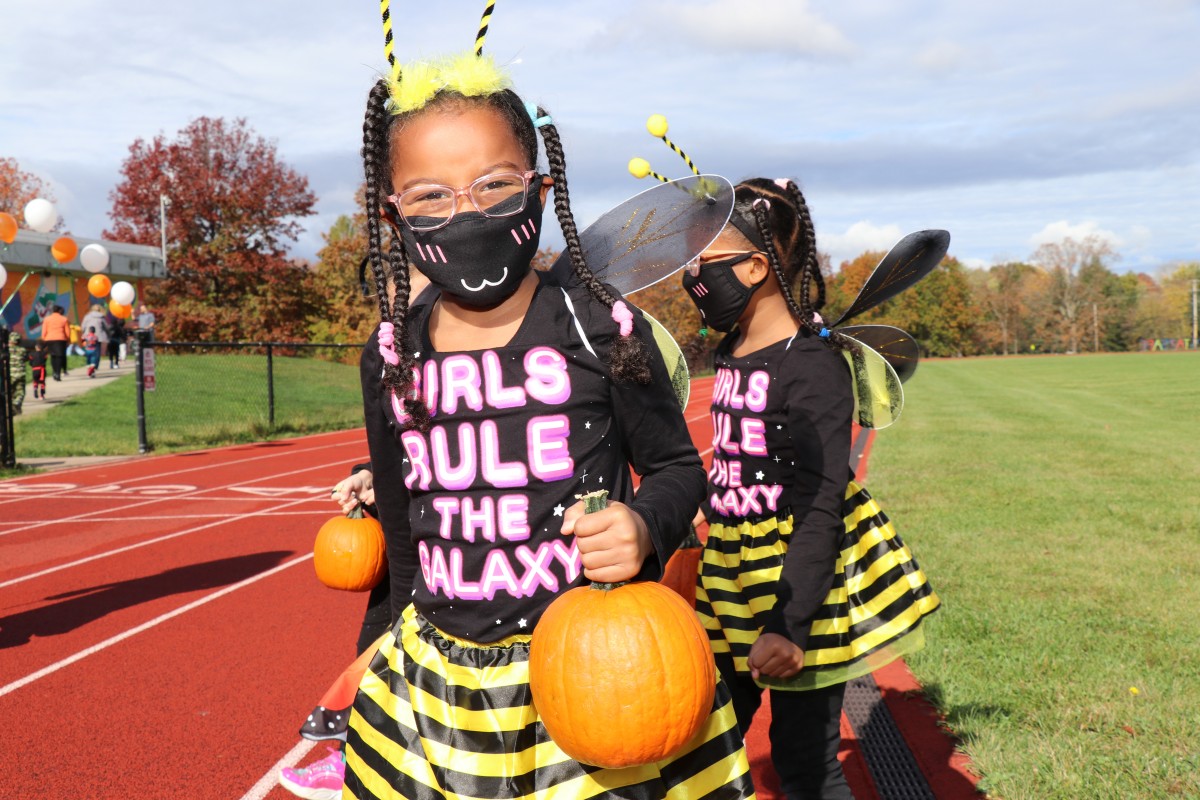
x=358, y=488
x=612, y=543
x=774, y=656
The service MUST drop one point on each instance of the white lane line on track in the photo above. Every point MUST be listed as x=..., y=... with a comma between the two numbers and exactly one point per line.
x=329, y=512
x=267, y=783
x=89, y=515
x=120, y=637
x=290, y=452
x=127, y=548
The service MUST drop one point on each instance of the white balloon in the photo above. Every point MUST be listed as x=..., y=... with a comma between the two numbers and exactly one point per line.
x=122, y=293
x=40, y=215
x=94, y=258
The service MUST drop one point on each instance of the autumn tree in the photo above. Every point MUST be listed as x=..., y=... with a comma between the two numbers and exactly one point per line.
x=18, y=187
x=1070, y=294
x=1002, y=294
x=234, y=207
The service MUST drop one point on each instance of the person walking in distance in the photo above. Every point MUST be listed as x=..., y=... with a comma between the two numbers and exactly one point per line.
x=56, y=332
x=16, y=371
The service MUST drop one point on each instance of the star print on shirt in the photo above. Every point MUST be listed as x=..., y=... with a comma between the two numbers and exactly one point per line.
x=521, y=623
x=587, y=426
x=497, y=622
x=759, y=474
x=776, y=459
x=558, y=510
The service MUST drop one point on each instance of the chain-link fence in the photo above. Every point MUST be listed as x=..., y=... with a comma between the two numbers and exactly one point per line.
x=199, y=393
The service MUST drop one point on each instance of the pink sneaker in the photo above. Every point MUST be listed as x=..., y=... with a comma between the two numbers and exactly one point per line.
x=321, y=780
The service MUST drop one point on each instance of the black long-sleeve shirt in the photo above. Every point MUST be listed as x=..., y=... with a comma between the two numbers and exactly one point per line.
x=517, y=433
x=781, y=446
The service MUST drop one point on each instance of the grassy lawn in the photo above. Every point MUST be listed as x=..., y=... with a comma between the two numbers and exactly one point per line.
x=200, y=401
x=1053, y=504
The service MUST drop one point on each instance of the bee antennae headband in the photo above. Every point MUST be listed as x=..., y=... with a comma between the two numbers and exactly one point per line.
x=657, y=126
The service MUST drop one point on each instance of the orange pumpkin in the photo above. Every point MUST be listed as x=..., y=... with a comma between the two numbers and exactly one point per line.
x=683, y=567
x=621, y=674
x=349, y=552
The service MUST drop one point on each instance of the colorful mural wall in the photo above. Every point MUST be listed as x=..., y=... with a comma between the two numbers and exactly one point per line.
x=23, y=311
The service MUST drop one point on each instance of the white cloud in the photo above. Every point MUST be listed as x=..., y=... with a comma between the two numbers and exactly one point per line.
x=1058, y=231
x=942, y=58
x=858, y=239
x=745, y=26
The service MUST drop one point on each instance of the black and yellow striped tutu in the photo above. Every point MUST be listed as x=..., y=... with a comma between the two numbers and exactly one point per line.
x=437, y=717
x=871, y=616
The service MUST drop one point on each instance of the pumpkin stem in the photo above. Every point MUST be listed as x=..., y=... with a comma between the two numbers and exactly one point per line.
x=595, y=501
x=356, y=512
x=691, y=540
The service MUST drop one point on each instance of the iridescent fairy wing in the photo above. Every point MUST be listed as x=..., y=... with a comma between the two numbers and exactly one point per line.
x=878, y=396
x=897, y=347
x=652, y=234
x=911, y=259
x=677, y=368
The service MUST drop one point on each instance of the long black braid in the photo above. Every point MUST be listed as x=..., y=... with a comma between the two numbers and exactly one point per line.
x=627, y=359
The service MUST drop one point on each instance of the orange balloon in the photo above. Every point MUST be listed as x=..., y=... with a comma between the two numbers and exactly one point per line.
x=98, y=285
x=119, y=311
x=64, y=249
x=8, y=228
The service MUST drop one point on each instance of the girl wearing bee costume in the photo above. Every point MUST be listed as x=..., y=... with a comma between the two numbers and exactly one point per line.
x=504, y=396
x=804, y=583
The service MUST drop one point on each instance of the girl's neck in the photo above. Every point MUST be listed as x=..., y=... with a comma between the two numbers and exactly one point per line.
x=456, y=327
x=767, y=320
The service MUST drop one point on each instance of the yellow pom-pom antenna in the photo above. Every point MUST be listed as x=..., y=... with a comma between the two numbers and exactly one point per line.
x=483, y=26
x=657, y=126
x=640, y=168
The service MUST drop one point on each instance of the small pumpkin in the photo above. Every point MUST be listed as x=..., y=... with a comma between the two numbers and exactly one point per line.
x=621, y=674
x=349, y=553
x=683, y=567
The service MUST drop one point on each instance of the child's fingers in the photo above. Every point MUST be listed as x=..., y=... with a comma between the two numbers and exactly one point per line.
x=570, y=517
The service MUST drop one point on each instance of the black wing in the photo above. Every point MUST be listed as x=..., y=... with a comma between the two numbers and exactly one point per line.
x=897, y=347
x=911, y=259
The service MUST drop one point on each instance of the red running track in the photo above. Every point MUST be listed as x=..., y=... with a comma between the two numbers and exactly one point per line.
x=162, y=634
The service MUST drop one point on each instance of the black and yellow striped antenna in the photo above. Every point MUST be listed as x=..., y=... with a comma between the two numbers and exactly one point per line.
x=483, y=27
x=657, y=125
x=388, y=45
x=640, y=167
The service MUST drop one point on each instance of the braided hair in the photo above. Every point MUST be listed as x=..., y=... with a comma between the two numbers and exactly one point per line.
x=627, y=358
x=775, y=218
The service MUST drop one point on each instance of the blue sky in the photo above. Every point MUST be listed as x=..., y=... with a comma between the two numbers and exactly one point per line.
x=1009, y=124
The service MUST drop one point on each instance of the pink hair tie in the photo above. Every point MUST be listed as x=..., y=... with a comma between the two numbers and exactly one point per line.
x=782, y=183
x=623, y=317
x=387, y=340
x=817, y=318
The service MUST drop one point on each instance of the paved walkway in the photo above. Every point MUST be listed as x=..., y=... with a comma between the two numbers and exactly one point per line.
x=73, y=384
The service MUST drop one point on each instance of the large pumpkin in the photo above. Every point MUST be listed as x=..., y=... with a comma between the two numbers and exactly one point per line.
x=349, y=552
x=621, y=674
x=683, y=567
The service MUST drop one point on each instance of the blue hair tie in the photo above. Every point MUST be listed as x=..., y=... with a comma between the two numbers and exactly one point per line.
x=824, y=334
x=538, y=122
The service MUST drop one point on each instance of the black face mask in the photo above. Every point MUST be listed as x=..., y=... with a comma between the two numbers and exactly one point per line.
x=479, y=261
x=718, y=293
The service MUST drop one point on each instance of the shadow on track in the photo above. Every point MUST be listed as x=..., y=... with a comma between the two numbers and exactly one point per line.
x=74, y=609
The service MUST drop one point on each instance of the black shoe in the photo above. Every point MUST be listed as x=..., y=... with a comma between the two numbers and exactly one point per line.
x=57, y=378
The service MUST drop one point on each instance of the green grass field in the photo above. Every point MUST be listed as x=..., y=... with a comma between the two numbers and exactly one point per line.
x=1054, y=504
x=200, y=401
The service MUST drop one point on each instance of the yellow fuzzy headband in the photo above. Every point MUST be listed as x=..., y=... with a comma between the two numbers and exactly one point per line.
x=411, y=86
